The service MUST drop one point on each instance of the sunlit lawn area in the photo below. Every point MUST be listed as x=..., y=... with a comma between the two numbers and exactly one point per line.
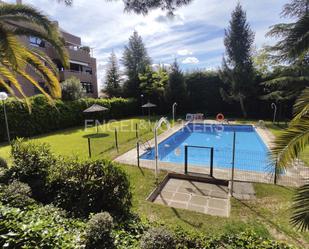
x=74, y=141
x=267, y=215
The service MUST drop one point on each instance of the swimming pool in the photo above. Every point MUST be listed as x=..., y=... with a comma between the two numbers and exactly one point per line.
x=251, y=153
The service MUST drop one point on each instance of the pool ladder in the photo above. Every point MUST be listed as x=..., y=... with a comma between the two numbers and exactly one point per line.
x=145, y=145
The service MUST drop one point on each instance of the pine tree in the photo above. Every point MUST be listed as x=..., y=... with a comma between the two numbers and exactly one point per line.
x=112, y=78
x=237, y=71
x=176, y=89
x=136, y=60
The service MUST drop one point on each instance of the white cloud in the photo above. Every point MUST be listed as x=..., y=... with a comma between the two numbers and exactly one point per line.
x=190, y=60
x=196, y=28
x=184, y=52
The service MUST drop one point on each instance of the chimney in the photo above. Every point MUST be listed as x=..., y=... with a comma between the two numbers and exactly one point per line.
x=18, y=1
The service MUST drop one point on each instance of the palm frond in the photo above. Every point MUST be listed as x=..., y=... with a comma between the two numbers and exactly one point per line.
x=291, y=142
x=300, y=217
x=301, y=106
x=287, y=81
x=24, y=11
x=53, y=83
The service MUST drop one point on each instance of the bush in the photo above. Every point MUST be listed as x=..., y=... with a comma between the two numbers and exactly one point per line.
x=16, y=194
x=91, y=187
x=98, y=233
x=31, y=163
x=71, y=89
x=3, y=163
x=46, y=118
x=38, y=227
x=157, y=238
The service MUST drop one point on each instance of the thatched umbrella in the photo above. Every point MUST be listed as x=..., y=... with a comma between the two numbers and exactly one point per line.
x=148, y=105
x=95, y=108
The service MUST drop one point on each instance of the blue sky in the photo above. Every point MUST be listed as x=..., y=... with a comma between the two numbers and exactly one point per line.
x=194, y=36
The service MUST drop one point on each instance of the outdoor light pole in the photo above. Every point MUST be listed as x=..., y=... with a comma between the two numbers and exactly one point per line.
x=274, y=106
x=142, y=98
x=174, y=111
x=3, y=97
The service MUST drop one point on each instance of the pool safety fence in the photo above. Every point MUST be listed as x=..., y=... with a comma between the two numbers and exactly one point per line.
x=248, y=166
x=116, y=139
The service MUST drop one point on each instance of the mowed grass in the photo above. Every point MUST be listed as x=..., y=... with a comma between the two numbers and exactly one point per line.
x=74, y=141
x=268, y=214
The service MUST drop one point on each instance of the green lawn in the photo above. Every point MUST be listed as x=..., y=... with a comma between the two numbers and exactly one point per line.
x=267, y=215
x=74, y=141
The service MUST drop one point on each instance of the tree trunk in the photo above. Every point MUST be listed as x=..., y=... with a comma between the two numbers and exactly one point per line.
x=242, y=106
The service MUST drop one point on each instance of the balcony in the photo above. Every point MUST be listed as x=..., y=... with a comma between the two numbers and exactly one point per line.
x=82, y=76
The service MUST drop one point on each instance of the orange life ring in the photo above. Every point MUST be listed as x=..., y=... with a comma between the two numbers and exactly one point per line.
x=220, y=117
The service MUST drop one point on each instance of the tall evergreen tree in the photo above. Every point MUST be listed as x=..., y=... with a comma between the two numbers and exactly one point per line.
x=136, y=60
x=176, y=89
x=112, y=78
x=237, y=71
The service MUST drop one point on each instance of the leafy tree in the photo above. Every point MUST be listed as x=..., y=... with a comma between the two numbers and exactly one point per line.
x=153, y=84
x=72, y=89
x=237, y=69
x=17, y=21
x=112, y=79
x=136, y=60
x=292, y=49
x=176, y=89
x=144, y=6
x=203, y=89
x=294, y=37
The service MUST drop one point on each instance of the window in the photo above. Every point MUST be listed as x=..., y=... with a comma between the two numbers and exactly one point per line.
x=87, y=86
x=35, y=41
x=88, y=70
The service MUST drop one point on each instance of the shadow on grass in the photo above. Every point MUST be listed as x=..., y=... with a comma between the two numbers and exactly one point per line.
x=175, y=211
x=270, y=222
x=96, y=135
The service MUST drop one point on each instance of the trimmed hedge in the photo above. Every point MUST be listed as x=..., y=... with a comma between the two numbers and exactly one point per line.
x=46, y=118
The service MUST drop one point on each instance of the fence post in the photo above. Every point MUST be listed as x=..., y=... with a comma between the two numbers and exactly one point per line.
x=89, y=147
x=137, y=149
x=136, y=130
x=211, y=161
x=233, y=163
x=116, y=140
x=276, y=167
x=186, y=159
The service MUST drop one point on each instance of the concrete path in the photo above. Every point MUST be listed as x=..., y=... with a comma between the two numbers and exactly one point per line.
x=243, y=191
x=196, y=196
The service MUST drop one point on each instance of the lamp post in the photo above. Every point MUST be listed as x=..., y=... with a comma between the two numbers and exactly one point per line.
x=3, y=97
x=142, y=99
x=274, y=107
x=174, y=110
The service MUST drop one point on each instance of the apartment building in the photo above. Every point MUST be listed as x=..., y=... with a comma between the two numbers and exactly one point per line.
x=82, y=64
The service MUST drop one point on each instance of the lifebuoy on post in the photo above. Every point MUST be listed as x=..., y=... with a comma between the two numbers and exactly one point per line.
x=220, y=117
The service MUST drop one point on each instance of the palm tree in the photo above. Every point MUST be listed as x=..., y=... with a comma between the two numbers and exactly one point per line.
x=17, y=21
x=287, y=148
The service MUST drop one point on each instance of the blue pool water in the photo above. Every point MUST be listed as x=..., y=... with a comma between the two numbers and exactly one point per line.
x=251, y=154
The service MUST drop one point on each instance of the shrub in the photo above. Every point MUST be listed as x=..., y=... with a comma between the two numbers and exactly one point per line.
x=38, y=227
x=91, y=187
x=46, y=118
x=3, y=163
x=71, y=89
x=157, y=238
x=16, y=194
x=31, y=163
x=98, y=232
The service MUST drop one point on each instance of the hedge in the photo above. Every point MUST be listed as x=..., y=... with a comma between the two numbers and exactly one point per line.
x=46, y=118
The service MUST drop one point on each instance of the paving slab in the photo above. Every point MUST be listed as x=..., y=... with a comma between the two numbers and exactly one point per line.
x=197, y=196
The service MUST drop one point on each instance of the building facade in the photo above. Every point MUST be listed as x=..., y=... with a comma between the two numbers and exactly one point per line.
x=82, y=64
